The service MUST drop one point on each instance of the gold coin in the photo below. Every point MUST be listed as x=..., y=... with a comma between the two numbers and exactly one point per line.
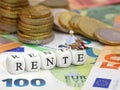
x=29, y=41
x=50, y=25
x=108, y=36
x=36, y=34
x=40, y=21
x=3, y=32
x=6, y=4
x=11, y=8
x=88, y=26
x=55, y=3
x=40, y=37
x=74, y=21
x=8, y=28
x=34, y=12
x=9, y=14
x=14, y=1
x=56, y=14
x=9, y=21
x=64, y=19
x=27, y=30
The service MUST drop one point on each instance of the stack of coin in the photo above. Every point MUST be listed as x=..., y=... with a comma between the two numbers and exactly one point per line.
x=55, y=13
x=62, y=18
x=35, y=25
x=56, y=3
x=86, y=26
x=82, y=25
x=9, y=10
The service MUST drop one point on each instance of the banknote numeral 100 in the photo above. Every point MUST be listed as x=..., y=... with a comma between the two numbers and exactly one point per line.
x=24, y=82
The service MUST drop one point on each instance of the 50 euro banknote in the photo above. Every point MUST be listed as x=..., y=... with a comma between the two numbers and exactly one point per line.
x=105, y=73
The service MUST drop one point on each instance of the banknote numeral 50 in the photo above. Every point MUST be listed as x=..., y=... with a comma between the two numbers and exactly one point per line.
x=24, y=82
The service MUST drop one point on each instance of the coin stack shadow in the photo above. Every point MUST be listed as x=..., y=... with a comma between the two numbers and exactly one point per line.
x=9, y=10
x=35, y=25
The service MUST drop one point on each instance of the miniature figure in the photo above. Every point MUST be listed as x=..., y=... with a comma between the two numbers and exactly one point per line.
x=79, y=44
x=74, y=42
x=71, y=39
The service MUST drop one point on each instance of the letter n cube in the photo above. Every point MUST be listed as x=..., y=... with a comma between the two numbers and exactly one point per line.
x=48, y=59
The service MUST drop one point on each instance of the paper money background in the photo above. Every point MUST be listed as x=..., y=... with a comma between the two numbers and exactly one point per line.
x=70, y=78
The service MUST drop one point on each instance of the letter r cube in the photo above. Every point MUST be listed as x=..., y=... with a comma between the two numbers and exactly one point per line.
x=15, y=64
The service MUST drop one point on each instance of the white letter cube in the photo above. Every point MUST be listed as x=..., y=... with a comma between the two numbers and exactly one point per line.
x=33, y=62
x=78, y=56
x=48, y=59
x=64, y=58
x=15, y=64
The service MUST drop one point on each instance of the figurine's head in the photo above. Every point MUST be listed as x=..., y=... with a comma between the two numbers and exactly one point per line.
x=71, y=32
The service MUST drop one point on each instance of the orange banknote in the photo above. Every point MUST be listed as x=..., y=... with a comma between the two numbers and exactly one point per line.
x=7, y=44
x=110, y=57
x=79, y=4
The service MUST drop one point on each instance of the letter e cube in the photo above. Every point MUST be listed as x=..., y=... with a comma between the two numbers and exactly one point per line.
x=78, y=56
x=33, y=61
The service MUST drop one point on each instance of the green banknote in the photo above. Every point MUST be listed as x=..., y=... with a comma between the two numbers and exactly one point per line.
x=105, y=14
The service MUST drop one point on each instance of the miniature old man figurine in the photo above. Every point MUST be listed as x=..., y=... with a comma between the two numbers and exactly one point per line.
x=71, y=39
x=75, y=42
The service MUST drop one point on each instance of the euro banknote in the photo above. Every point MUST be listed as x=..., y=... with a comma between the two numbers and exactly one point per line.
x=105, y=73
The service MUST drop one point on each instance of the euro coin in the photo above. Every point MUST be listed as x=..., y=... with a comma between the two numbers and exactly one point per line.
x=34, y=27
x=89, y=25
x=28, y=30
x=74, y=23
x=55, y=3
x=35, y=34
x=56, y=14
x=4, y=32
x=9, y=14
x=14, y=5
x=14, y=1
x=35, y=12
x=40, y=21
x=41, y=37
x=108, y=36
x=8, y=28
x=9, y=21
x=30, y=41
x=64, y=19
